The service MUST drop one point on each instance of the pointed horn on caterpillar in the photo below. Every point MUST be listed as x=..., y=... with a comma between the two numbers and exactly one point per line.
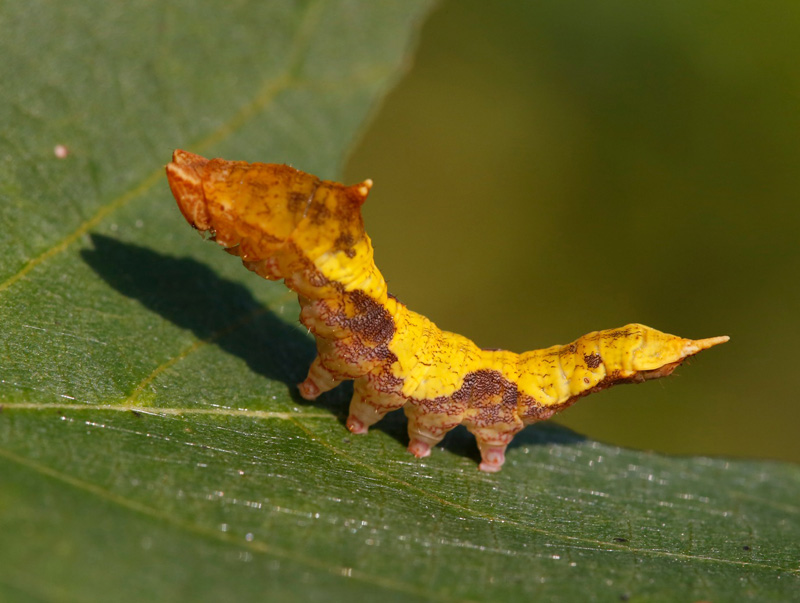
x=361, y=190
x=692, y=347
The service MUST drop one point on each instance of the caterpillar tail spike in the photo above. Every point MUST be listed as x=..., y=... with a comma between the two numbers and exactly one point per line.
x=698, y=345
x=286, y=224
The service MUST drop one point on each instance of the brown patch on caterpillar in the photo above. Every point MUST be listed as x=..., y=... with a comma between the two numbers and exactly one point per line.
x=592, y=360
x=485, y=395
x=363, y=317
x=385, y=381
x=344, y=242
x=296, y=201
x=483, y=385
x=442, y=405
x=619, y=333
x=316, y=278
x=531, y=410
x=362, y=330
x=373, y=321
x=318, y=213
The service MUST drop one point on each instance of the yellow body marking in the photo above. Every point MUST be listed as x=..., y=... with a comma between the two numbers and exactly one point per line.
x=289, y=225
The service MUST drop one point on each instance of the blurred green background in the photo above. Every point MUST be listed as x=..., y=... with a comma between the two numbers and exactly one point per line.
x=551, y=168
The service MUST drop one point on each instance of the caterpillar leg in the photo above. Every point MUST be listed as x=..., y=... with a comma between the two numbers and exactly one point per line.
x=492, y=443
x=319, y=381
x=426, y=429
x=369, y=406
x=492, y=457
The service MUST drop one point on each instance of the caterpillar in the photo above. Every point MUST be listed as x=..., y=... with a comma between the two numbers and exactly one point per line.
x=286, y=224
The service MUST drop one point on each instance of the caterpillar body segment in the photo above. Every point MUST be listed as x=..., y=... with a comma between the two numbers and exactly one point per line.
x=285, y=224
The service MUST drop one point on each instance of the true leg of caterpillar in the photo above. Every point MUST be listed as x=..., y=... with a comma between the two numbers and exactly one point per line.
x=426, y=429
x=369, y=406
x=319, y=381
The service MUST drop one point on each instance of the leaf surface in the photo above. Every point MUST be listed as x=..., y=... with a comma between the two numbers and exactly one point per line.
x=152, y=443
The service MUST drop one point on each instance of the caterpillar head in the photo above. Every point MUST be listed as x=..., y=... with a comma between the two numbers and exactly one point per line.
x=254, y=209
x=185, y=176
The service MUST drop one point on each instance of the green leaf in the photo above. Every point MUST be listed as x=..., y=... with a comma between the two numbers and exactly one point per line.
x=152, y=442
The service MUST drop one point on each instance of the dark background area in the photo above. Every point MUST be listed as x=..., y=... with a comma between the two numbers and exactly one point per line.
x=552, y=168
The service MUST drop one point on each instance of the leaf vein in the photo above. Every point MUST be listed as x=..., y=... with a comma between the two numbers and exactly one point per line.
x=198, y=344
x=167, y=411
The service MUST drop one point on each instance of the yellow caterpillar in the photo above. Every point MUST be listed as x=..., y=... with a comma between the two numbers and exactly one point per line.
x=286, y=224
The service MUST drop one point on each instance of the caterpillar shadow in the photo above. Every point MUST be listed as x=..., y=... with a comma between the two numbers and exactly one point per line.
x=192, y=296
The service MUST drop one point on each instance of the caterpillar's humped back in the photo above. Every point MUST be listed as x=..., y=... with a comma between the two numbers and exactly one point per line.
x=286, y=224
